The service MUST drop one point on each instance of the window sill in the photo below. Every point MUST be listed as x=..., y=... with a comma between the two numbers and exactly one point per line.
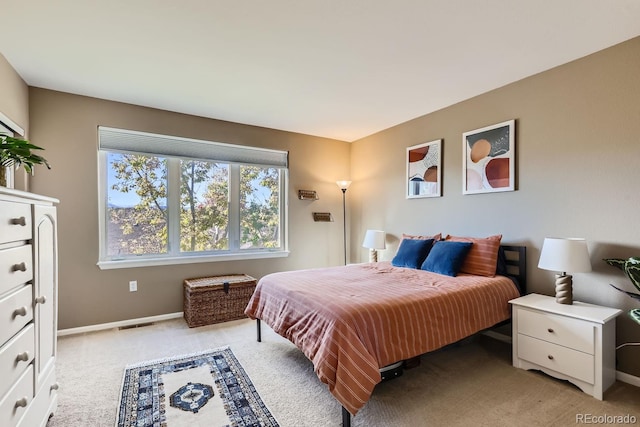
x=151, y=262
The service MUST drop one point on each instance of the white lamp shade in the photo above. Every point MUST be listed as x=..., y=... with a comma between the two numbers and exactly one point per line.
x=343, y=184
x=568, y=255
x=374, y=239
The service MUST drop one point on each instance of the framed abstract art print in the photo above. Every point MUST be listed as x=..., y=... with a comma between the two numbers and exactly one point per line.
x=488, y=159
x=424, y=177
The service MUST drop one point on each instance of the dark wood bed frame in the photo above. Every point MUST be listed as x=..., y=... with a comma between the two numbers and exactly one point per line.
x=516, y=264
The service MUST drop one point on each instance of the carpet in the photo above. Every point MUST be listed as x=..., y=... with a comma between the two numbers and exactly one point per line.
x=209, y=388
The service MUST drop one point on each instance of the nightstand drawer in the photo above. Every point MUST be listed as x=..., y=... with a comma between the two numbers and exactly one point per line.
x=568, y=332
x=569, y=362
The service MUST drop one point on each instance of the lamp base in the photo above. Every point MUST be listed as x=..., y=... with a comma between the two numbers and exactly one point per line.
x=373, y=255
x=564, y=289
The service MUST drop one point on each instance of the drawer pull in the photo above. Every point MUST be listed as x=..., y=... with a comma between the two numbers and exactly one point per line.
x=41, y=299
x=19, y=267
x=22, y=311
x=19, y=221
x=550, y=357
x=21, y=403
x=23, y=357
x=55, y=386
x=550, y=330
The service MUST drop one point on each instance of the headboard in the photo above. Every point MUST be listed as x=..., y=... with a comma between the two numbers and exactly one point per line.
x=516, y=264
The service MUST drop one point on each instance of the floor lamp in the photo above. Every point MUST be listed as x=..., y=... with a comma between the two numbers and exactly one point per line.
x=343, y=186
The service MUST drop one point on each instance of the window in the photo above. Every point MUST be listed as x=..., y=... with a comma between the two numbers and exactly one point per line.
x=8, y=170
x=166, y=200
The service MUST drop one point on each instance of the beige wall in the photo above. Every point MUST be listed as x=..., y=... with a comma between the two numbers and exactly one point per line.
x=578, y=154
x=66, y=126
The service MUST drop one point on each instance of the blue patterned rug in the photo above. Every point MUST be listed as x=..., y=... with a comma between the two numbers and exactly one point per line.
x=209, y=388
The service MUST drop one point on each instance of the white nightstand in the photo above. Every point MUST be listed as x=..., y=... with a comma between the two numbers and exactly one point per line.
x=571, y=342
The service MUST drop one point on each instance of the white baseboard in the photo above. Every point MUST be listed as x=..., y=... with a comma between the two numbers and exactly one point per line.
x=497, y=336
x=120, y=324
x=628, y=378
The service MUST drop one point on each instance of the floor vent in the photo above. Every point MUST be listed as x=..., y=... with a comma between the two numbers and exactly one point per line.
x=139, y=325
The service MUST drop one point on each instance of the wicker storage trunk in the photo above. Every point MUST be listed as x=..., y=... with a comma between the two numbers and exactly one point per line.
x=216, y=299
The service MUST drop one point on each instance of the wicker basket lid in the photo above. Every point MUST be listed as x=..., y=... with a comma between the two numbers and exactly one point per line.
x=218, y=280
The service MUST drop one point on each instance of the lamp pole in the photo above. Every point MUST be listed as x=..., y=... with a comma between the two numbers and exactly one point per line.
x=344, y=223
x=343, y=186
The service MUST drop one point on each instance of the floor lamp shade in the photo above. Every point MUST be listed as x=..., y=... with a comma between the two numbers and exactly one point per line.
x=343, y=185
x=374, y=240
x=564, y=255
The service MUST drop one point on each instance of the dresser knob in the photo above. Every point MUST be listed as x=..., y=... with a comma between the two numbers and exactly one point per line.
x=550, y=357
x=22, y=311
x=41, y=299
x=23, y=357
x=19, y=267
x=19, y=221
x=21, y=403
x=55, y=386
x=550, y=330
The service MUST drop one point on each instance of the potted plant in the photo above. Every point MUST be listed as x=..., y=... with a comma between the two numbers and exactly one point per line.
x=16, y=152
x=631, y=267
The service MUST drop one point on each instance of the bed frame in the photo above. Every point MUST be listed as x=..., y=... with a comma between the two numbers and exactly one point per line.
x=516, y=263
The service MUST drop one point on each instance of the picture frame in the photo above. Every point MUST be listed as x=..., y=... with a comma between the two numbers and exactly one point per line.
x=424, y=170
x=488, y=159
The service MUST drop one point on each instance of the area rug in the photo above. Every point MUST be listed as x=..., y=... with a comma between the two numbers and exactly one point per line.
x=209, y=388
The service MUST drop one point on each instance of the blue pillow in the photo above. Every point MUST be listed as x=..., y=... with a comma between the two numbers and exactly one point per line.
x=446, y=257
x=412, y=252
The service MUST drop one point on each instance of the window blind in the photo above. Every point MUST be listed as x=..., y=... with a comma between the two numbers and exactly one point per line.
x=173, y=146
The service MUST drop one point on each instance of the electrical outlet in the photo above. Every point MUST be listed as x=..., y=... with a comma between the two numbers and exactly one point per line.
x=133, y=285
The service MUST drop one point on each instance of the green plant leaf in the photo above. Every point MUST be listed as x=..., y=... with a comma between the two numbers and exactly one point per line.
x=17, y=152
x=616, y=262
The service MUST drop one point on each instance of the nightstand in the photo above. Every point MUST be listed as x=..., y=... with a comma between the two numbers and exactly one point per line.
x=571, y=342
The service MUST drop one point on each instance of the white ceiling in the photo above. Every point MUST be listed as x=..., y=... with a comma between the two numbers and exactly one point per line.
x=341, y=69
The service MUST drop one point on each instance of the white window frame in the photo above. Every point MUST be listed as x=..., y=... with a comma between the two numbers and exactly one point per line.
x=174, y=256
x=10, y=128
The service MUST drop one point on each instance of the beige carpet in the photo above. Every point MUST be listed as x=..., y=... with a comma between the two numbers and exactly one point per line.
x=469, y=384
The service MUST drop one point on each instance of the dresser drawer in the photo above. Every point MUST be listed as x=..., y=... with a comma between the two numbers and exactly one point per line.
x=16, y=310
x=44, y=403
x=14, y=404
x=16, y=267
x=573, y=333
x=570, y=362
x=15, y=221
x=15, y=356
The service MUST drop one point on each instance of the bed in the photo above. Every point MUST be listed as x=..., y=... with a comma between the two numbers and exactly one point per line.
x=352, y=321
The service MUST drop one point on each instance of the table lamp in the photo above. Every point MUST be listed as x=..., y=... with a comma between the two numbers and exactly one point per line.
x=374, y=240
x=564, y=255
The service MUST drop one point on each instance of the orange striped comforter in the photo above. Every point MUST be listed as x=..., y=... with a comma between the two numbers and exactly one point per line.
x=352, y=320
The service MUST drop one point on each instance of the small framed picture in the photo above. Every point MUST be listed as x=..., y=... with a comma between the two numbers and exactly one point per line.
x=424, y=177
x=488, y=162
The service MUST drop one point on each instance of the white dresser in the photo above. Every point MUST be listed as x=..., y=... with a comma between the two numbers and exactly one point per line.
x=571, y=342
x=28, y=308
